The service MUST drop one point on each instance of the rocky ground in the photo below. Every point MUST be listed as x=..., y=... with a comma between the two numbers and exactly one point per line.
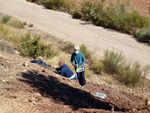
x=64, y=27
x=30, y=88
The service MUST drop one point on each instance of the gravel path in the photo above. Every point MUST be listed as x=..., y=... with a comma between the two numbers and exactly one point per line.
x=62, y=25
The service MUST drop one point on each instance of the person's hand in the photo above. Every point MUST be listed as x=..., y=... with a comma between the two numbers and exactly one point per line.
x=76, y=65
x=81, y=66
x=52, y=68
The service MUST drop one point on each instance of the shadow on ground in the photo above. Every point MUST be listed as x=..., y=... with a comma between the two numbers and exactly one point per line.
x=51, y=87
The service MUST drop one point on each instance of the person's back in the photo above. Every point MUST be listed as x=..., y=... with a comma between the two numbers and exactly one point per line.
x=65, y=71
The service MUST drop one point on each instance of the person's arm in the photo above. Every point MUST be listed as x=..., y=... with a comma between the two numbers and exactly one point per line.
x=62, y=73
x=58, y=69
x=72, y=58
x=83, y=60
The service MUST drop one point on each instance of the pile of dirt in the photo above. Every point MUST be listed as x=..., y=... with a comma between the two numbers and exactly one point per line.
x=28, y=87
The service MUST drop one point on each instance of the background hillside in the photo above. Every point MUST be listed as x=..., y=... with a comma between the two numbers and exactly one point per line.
x=28, y=87
x=143, y=6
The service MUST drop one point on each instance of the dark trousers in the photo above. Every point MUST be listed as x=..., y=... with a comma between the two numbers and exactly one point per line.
x=81, y=78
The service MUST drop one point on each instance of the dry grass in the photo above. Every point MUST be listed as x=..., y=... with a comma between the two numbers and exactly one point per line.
x=14, y=22
x=5, y=46
x=30, y=25
x=10, y=33
x=61, y=56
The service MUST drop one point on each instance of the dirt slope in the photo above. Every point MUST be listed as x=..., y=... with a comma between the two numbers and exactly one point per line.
x=62, y=25
x=29, y=88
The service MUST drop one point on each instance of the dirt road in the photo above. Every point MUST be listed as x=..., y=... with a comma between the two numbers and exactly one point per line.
x=62, y=25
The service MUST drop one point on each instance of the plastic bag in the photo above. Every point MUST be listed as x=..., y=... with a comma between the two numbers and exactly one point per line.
x=100, y=95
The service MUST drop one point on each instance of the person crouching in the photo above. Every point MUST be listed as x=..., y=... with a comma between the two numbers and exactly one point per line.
x=65, y=71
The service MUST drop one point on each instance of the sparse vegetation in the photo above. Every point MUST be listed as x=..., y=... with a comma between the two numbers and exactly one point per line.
x=54, y=4
x=133, y=74
x=98, y=66
x=30, y=25
x=29, y=0
x=33, y=47
x=29, y=46
x=113, y=16
x=112, y=61
x=120, y=16
x=5, y=19
x=3, y=31
x=144, y=35
x=68, y=47
x=16, y=23
x=88, y=73
x=64, y=5
x=9, y=33
x=4, y=46
x=87, y=53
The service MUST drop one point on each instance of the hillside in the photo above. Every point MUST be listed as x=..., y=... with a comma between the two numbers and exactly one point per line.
x=143, y=6
x=62, y=26
x=29, y=88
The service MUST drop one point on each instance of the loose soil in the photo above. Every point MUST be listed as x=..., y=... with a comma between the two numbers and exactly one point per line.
x=30, y=88
x=64, y=27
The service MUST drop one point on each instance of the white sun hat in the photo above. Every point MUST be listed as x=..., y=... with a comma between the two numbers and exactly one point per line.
x=76, y=47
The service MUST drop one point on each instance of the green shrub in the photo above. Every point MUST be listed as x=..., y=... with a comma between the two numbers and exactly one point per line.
x=4, y=46
x=138, y=21
x=33, y=47
x=69, y=47
x=87, y=53
x=112, y=61
x=98, y=66
x=5, y=19
x=132, y=74
x=36, y=1
x=63, y=5
x=30, y=25
x=144, y=35
x=54, y=4
x=29, y=0
x=77, y=14
x=111, y=16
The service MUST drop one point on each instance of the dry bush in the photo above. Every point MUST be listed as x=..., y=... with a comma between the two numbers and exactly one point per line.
x=5, y=46
x=16, y=23
x=68, y=47
x=98, y=66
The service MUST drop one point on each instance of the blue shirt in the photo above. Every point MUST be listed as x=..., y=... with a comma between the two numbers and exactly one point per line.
x=78, y=59
x=65, y=71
